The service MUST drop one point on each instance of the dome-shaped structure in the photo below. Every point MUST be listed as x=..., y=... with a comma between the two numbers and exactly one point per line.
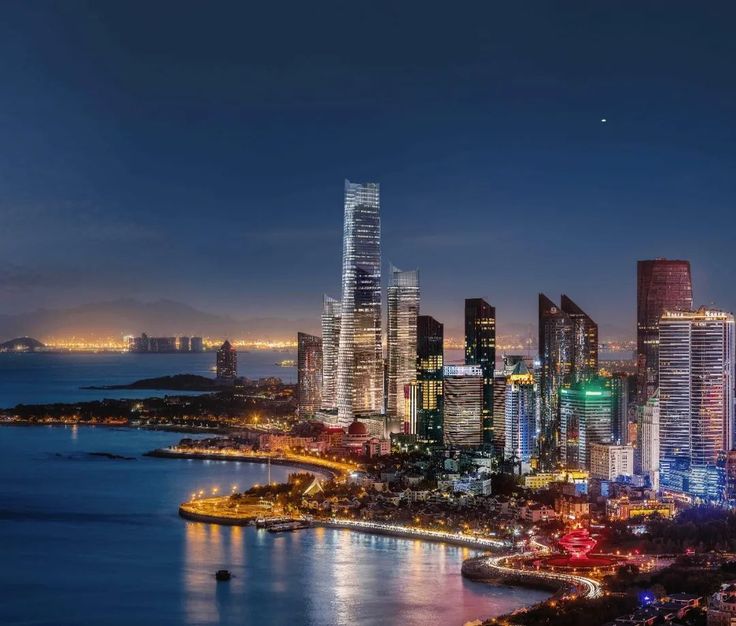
x=357, y=428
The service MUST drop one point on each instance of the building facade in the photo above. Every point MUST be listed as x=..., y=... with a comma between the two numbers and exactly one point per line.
x=608, y=461
x=463, y=405
x=586, y=411
x=520, y=416
x=403, y=311
x=330, y=347
x=429, y=367
x=648, y=441
x=360, y=353
x=662, y=285
x=480, y=349
x=227, y=363
x=696, y=387
x=568, y=354
x=309, y=374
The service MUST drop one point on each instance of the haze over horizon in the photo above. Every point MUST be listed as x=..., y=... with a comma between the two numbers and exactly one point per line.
x=199, y=157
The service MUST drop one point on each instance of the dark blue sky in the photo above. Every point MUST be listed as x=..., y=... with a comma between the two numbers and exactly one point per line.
x=197, y=151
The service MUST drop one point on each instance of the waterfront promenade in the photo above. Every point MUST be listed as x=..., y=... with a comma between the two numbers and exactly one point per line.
x=332, y=467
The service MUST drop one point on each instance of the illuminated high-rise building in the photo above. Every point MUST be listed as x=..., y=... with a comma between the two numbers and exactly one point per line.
x=586, y=410
x=309, y=374
x=620, y=426
x=696, y=396
x=227, y=363
x=648, y=442
x=480, y=349
x=568, y=354
x=555, y=363
x=662, y=285
x=584, y=341
x=520, y=415
x=360, y=353
x=403, y=310
x=330, y=347
x=429, y=364
x=463, y=405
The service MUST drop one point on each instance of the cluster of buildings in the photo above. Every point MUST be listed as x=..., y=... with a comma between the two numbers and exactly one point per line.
x=146, y=344
x=669, y=426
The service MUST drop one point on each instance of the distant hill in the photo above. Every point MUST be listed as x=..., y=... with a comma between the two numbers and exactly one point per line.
x=162, y=317
x=21, y=344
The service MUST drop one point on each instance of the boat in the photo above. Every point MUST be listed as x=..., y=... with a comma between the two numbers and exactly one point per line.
x=289, y=526
x=223, y=575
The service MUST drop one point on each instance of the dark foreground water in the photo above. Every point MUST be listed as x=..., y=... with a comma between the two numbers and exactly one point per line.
x=38, y=378
x=87, y=540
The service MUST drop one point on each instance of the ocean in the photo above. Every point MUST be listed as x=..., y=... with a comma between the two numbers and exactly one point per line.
x=92, y=540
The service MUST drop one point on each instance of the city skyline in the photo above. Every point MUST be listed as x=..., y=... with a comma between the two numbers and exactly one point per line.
x=488, y=144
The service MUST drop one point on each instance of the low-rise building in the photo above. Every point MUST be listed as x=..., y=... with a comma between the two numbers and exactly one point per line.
x=722, y=606
x=625, y=509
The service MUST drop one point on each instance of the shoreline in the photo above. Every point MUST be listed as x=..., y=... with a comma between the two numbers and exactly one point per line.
x=203, y=456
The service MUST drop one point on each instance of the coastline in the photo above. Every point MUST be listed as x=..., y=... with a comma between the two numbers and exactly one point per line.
x=203, y=456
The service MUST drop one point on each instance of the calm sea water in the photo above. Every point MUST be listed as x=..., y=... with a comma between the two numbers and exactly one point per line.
x=41, y=377
x=89, y=540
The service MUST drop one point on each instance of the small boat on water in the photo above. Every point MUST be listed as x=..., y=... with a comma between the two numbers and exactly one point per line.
x=288, y=526
x=223, y=575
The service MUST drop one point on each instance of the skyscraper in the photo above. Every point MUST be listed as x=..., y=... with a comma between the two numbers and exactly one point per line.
x=429, y=363
x=584, y=341
x=648, y=444
x=360, y=354
x=520, y=408
x=227, y=363
x=568, y=354
x=480, y=349
x=463, y=405
x=696, y=395
x=309, y=374
x=586, y=410
x=555, y=361
x=662, y=285
x=330, y=347
x=403, y=310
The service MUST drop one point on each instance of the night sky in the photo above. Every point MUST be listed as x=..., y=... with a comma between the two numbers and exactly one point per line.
x=197, y=151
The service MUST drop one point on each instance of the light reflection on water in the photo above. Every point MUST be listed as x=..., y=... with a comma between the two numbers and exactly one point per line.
x=84, y=538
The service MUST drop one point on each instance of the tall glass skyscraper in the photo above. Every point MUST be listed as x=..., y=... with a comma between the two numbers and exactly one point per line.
x=662, y=285
x=480, y=349
x=568, y=354
x=429, y=363
x=309, y=374
x=586, y=416
x=584, y=341
x=696, y=396
x=403, y=310
x=360, y=354
x=520, y=408
x=330, y=347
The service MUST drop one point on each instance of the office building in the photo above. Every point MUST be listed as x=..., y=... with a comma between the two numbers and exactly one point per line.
x=403, y=310
x=585, y=418
x=568, y=354
x=696, y=387
x=330, y=347
x=360, y=355
x=662, y=285
x=648, y=441
x=463, y=405
x=429, y=364
x=584, y=353
x=609, y=461
x=480, y=349
x=309, y=374
x=520, y=415
x=621, y=394
x=227, y=363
